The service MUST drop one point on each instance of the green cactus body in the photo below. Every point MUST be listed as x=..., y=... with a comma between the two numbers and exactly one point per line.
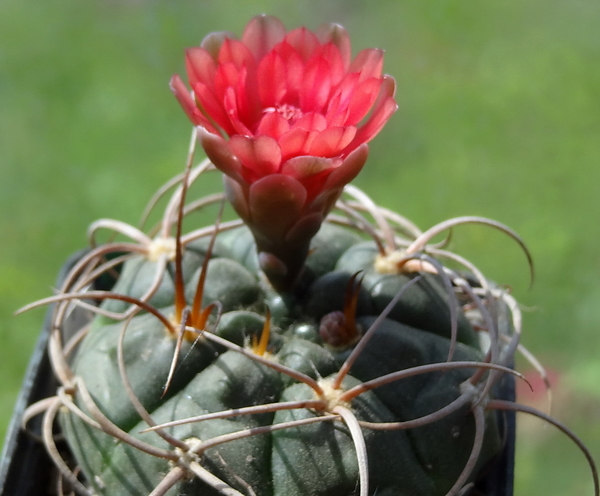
x=312, y=459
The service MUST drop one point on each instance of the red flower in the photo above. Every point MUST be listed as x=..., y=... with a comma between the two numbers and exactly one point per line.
x=298, y=113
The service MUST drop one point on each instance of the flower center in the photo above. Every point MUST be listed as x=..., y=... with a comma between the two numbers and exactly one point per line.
x=289, y=112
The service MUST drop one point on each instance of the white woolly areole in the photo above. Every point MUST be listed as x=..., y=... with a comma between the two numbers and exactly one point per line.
x=389, y=263
x=159, y=247
x=395, y=262
x=331, y=396
x=186, y=458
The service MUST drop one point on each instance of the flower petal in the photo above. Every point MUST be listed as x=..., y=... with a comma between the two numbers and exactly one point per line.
x=387, y=91
x=182, y=94
x=273, y=124
x=275, y=193
x=384, y=108
x=272, y=80
x=213, y=41
x=362, y=100
x=325, y=201
x=261, y=154
x=372, y=127
x=227, y=76
x=211, y=108
x=236, y=53
x=311, y=121
x=304, y=229
x=295, y=142
x=316, y=87
x=312, y=172
x=305, y=166
x=237, y=69
x=304, y=42
x=220, y=154
x=262, y=33
x=231, y=109
x=368, y=63
x=237, y=196
x=348, y=169
x=200, y=66
x=336, y=34
x=331, y=54
x=332, y=141
x=294, y=70
x=337, y=107
x=243, y=91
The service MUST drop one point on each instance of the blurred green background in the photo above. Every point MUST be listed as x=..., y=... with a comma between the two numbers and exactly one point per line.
x=499, y=116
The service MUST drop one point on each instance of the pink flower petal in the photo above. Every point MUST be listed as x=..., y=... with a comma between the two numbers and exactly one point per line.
x=311, y=121
x=200, y=66
x=247, y=101
x=340, y=98
x=368, y=63
x=384, y=108
x=213, y=41
x=227, y=76
x=236, y=71
x=273, y=124
x=262, y=33
x=211, y=108
x=387, y=91
x=187, y=103
x=316, y=87
x=295, y=142
x=231, y=109
x=331, y=54
x=220, y=154
x=332, y=141
x=271, y=76
x=261, y=154
x=305, y=166
x=372, y=127
x=349, y=168
x=335, y=114
x=337, y=35
x=362, y=100
x=294, y=70
x=236, y=53
x=304, y=42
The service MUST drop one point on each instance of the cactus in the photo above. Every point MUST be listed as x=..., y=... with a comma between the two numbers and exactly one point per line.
x=319, y=347
x=342, y=382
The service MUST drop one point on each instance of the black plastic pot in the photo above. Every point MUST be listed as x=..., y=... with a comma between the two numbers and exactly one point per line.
x=25, y=467
x=27, y=470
